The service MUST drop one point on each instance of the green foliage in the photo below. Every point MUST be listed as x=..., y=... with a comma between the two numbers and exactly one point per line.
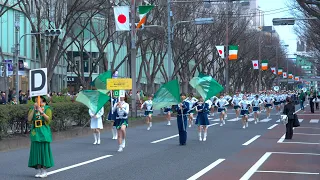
x=65, y=115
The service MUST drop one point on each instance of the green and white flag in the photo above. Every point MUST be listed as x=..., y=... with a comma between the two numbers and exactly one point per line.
x=143, y=11
x=167, y=95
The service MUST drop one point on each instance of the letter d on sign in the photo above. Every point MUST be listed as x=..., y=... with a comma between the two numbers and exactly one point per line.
x=38, y=82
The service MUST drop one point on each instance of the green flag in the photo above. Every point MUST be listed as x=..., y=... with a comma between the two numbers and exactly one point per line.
x=93, y=99
x=206, y=86
x=167, y=95
x=101, y=81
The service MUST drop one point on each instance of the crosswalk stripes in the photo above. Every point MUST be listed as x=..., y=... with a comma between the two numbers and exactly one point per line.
x=314, y=121
x=265, y=120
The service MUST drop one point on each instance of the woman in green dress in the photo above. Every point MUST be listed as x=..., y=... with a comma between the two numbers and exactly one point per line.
x=39, y=117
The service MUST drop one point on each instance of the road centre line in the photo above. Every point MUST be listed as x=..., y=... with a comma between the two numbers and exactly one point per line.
x=206, y=169
x=271, y=127
x=256, y=166
x=251, y=140
x=79, y=164
x=160, y=140
x=307, y=134
x=288, y=172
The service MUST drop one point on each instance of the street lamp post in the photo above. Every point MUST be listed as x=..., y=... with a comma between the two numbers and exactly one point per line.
x=16, y=54
x=133, y=58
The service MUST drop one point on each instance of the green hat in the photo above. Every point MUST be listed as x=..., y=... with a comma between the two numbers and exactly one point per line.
x=45, y=98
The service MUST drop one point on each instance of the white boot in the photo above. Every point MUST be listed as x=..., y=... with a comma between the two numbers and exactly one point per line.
x=114, y=132
x=205, y=136
x=98, y=137
x=95, y=138
x=169, y=123
x=120, y=149
x=43, y=174
x=200, y=139
x=38, y=174
x=123, y=144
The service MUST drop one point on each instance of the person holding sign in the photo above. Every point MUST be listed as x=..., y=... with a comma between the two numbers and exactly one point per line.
x=40, y=116
x=122, y=110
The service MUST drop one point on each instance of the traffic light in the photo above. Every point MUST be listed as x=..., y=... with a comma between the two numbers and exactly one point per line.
x=283, y=21
x=52, y=32
x=2, y=71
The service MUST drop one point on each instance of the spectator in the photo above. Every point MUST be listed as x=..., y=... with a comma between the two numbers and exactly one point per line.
x=14, y=100
x=3, y=98
x=302, y=98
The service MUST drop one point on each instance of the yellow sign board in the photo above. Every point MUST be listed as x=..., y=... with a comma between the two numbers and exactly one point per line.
x=121, y=83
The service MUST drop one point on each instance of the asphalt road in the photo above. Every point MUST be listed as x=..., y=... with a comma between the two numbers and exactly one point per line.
x=141, y=159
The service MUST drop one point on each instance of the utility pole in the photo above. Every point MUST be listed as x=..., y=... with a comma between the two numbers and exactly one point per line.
x=133, y=58
x=227, y=49
x=169, y=41
x=16, y=54
x=277, y=65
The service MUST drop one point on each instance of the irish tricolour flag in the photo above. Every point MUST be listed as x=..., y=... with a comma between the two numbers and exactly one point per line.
x=280, y=70
x=290, y=76
x=233, y=52
x=143, y=11
x=264, y=65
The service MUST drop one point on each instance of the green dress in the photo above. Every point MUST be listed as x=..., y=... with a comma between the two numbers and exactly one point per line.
x=41, y=137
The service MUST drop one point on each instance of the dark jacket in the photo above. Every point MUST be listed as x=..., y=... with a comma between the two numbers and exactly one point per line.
x=288, y=110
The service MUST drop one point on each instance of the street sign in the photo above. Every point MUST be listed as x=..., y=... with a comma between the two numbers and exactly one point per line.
x=117, y=84
x=38, y=82
x=116, y=93
x=283, y=21
x=122, y=93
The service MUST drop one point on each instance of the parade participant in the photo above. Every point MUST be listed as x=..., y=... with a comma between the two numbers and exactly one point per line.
x=112, y=117
x=96, y=124
x=235, y=103
x=148, y=112
x=122, y=110
x=277, y=102
x=192, y=101
x=182, y=110
x=213, y=102
x=221, y=103
x=268, y=103
x=250, y=97
x=168, y=111
x=40, y=116
x=202, y=118
x=228, y=98
x=256, y=104
x=244, y=104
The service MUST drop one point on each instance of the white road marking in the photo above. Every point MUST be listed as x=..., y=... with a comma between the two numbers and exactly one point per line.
x=308, y=128
x=251, y=140
x=291, y=153
x=282, y=139
x=308, y=143
x=213, y=124
x=278, y=121
x=314, y=121
x=234, y=119
x=206, y=169
x=265, y=120
x=271, y=127
x=255, y=167
x=300, y=120
x=288, y=172
x=79, y=164
x=250, y=119
x=160, y=140
x=307, y=134
x=216, y=120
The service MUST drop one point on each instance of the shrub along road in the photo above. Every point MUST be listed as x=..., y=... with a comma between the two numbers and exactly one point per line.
x=155, y=154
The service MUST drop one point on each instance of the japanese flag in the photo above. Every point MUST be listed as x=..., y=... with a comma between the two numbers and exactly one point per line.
x=220, y=51
x=121, y=14
x=284, y=75
x=255, y=64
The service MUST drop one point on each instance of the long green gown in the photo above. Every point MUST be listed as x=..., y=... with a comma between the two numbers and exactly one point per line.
x=41, y=137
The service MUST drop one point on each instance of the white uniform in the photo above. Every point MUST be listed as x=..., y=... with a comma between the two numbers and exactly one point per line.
x=96, y=123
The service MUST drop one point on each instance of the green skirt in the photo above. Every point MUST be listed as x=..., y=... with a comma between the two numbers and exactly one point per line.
x=40, y=154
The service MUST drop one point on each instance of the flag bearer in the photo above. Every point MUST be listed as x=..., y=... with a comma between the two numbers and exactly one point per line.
x=256, y=104
x=202, y=118
x=122, y=110
x=182, y=121
x=245, y=104
x=148, y=112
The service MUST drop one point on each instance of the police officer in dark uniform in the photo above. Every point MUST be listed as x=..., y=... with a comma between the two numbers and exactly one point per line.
x=182, y=119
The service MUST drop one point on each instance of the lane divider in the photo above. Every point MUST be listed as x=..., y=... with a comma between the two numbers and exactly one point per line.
x=206, y=169
x=251, y=140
